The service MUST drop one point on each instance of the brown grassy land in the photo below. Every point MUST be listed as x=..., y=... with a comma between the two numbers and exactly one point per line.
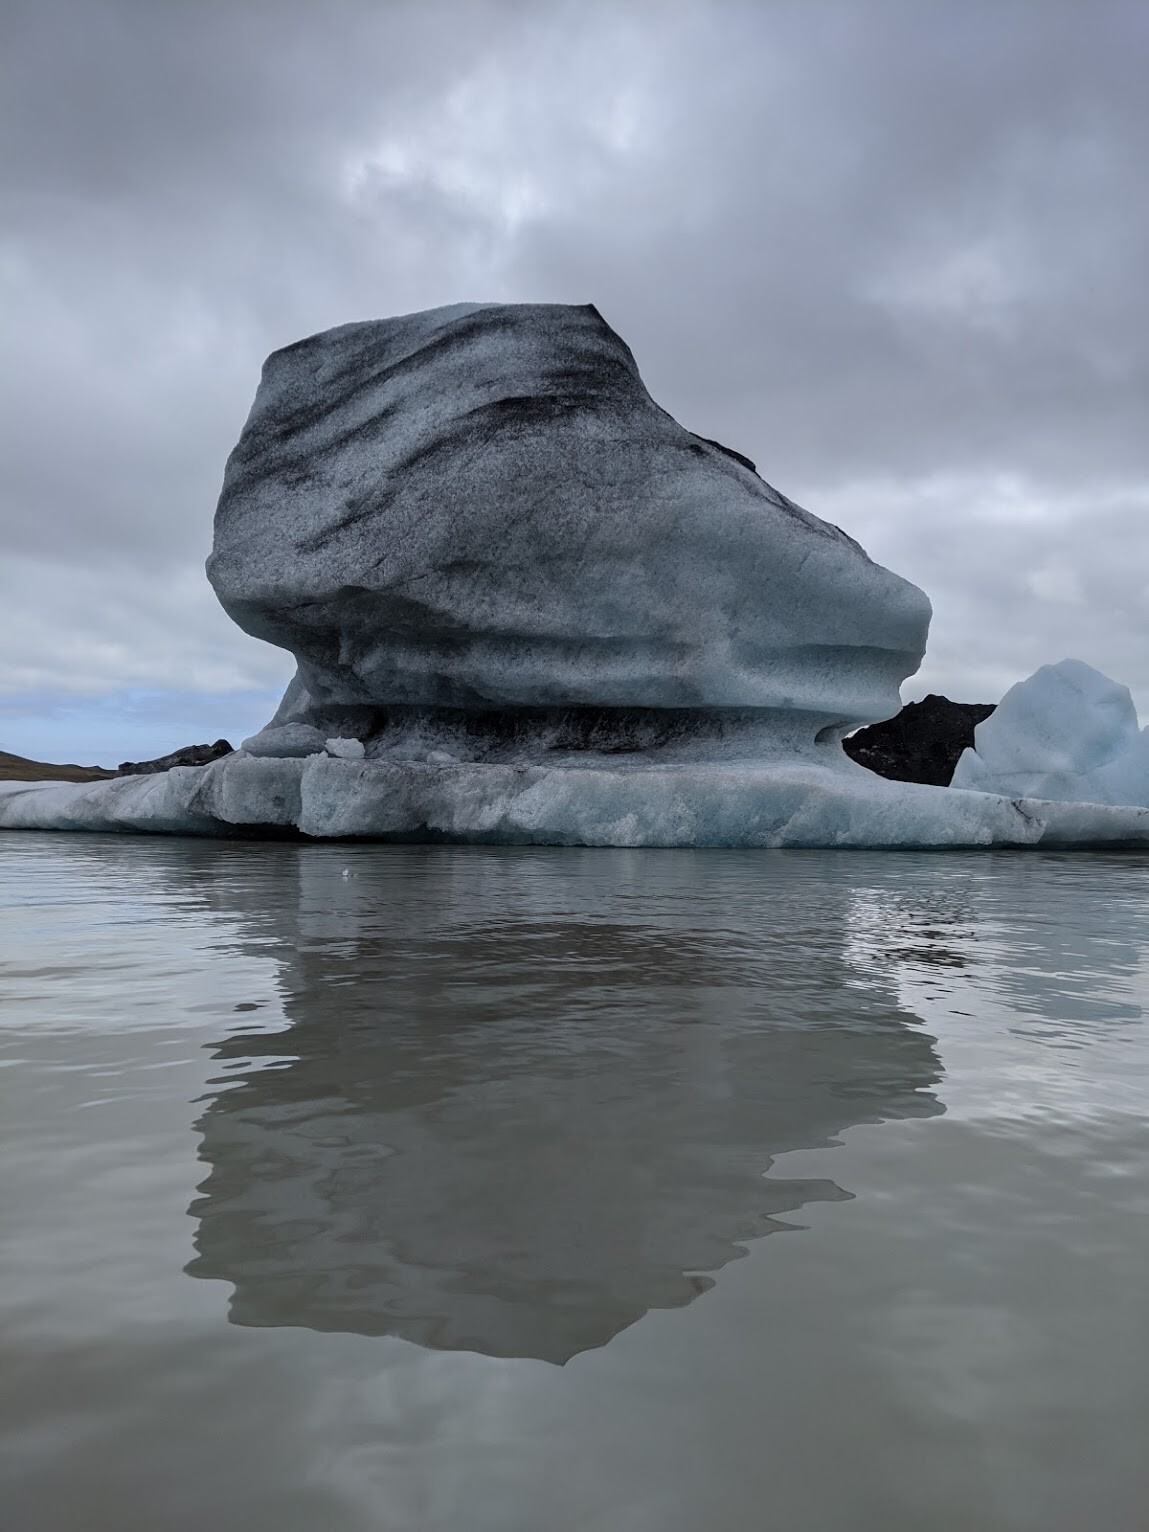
x=14, y=768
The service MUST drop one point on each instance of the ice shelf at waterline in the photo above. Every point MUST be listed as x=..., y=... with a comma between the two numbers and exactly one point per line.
x=797, y=803
x=528, y=607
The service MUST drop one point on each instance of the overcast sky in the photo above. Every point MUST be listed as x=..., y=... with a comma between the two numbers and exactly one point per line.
x=897, y=253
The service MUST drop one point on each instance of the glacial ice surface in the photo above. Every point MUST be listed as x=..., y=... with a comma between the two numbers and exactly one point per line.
x=482, y=507
x=1069, y=734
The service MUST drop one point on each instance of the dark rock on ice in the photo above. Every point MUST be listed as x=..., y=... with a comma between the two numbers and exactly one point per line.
x=923, y=743
x=190, y=755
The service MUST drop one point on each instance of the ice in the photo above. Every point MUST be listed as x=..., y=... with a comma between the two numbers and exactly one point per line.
x=482, y=508
x=797, y=803
x=346, y=749
x=1068, y=733
x=529, y=608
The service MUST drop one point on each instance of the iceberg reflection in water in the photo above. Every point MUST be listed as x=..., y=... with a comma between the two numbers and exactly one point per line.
x=522, y=1099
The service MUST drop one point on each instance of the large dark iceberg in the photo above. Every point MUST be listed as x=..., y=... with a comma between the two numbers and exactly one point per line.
x=482, y=508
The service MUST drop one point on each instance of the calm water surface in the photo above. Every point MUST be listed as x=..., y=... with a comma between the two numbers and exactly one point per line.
x=365, y=1189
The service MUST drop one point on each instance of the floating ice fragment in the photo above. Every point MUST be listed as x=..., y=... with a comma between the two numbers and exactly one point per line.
x=1069, y=734
x=285, y=741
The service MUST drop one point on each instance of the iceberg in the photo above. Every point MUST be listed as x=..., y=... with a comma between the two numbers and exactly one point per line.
x=1069, y=734
x=483, y=509
x=528, y=607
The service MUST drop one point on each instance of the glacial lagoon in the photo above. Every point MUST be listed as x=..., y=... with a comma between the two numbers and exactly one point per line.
x=491, y=1189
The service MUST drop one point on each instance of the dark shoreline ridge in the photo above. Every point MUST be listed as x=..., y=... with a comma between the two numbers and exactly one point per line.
x=19, y=768
x=189, y=755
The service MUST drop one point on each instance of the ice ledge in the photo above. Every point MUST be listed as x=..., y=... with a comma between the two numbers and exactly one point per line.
x=789, y=804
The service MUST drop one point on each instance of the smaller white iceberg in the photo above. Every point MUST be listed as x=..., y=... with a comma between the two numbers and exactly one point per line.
x=1068, y=734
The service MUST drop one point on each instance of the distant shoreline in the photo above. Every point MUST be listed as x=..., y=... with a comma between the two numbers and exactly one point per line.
x=17, y=768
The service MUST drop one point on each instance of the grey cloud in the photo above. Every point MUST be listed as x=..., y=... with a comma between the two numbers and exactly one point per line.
x=172, y=210
x=116, y=102
x=882, y=248
x=1020, y=577
x=909, y=238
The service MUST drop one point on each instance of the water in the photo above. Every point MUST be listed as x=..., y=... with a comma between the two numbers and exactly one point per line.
x=357, y=1188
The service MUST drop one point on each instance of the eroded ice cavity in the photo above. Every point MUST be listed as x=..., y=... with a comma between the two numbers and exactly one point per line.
x=1068, y=733
x=481, y=509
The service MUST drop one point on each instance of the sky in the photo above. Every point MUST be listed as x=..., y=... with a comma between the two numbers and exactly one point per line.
x=897, y=253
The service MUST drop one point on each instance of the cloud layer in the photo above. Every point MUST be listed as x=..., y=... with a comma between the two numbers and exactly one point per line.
x=894, y=252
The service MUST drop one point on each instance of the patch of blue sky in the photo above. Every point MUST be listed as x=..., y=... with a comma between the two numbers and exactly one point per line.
x=126, y=725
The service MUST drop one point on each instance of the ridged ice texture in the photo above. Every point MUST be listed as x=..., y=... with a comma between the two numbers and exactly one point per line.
x=481, y=507
x=804, y=802
x=1067, y=733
